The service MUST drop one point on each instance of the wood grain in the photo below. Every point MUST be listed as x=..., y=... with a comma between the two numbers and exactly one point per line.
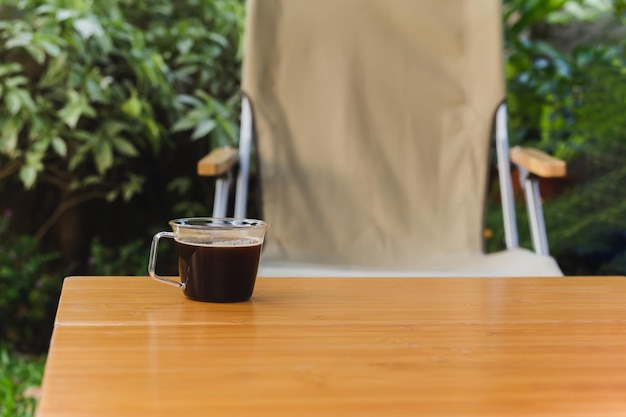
x=538, y=162
x=141, y=300
x=218, y=161
x=350, y=347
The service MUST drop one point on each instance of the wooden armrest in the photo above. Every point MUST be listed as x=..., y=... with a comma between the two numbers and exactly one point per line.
x=219, y=161
x=538, y=162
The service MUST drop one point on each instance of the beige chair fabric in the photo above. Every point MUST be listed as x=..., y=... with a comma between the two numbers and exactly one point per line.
x=373, y=122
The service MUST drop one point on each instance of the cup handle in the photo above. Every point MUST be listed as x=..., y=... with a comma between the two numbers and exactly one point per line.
x=152, y=261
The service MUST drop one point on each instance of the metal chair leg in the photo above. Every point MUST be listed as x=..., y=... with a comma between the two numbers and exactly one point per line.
x=220, y=202
x=504, y=175
x=245, y=149
x=535, y=212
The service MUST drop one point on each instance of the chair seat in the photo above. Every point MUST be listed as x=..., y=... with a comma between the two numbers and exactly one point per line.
x=510, y=263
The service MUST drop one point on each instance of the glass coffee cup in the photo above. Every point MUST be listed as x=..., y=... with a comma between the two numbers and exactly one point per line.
x=218, y=258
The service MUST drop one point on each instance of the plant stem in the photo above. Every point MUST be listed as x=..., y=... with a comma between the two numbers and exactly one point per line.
x=10, y=169
x=63, y=207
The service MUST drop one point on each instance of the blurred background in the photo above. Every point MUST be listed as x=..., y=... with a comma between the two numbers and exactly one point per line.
x=106, y=106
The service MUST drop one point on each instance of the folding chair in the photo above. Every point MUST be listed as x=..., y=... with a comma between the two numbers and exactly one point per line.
x=371, y=124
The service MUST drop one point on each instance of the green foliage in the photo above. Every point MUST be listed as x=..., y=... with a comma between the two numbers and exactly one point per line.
x=94, y=96
x=588, y=222
x=555, y=97
x=103, y=103
x=600, y=115
x=570, y=102
x=28, y=293
x=94, y=85
x=541, y=80
x=128, y=259
x=18, y=374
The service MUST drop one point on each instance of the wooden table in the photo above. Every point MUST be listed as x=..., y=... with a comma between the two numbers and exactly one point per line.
x=129, y=346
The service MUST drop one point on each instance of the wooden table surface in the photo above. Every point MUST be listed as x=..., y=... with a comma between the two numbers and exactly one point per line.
x=129, y=346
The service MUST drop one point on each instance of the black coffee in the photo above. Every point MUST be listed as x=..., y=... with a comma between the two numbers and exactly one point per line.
x=222, y=272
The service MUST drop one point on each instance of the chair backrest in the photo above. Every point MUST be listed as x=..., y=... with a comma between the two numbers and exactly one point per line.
x=373, y=122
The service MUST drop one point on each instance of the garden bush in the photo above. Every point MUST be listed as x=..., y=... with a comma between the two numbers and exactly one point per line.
x=552, y=87
x=105, y=108
x=112, y=101
x=566, y=96
x=18, y=375
x=28, y=290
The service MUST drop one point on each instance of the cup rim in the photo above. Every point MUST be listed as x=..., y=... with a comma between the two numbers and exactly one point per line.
x=221, y=223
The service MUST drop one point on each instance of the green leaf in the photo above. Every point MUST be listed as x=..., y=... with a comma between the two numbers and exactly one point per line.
x=180, y=185
x=92, y=180
x=70, y=115
x=185, y=123
x=95, y=91
x=124, y=147
x=17, y=81
x=229, y=128
x=88, y=27
x=84, y=136
x=55, y=72
x=38, y=147
x=184, y=46
x=72, y=111
x=8, y=137
x=34, y=158
x=153, y=135
x=133, y=186
x=36, y=53
x=75, y=161
x=9, y=68
x=189, y=100
x=64, y=14
x=51, y=48
x=103, y=156
x=79, y=156
x=74, y=185
x=26, y=100
x=112, y=196
x=203, y=128
x=132, y=106
x=59, y=146
x=12, y=102
x=113, y=128
x=76, y=106
x=28, y=175
x=219, y=39
x=20, y=40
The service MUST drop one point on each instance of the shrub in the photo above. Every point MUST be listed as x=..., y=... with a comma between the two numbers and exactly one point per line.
x=18, y=374
x=559, y=94
x=108, y=100
x=89, y=86
x=28, y=292
x=568, y=99
x=105, y=107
